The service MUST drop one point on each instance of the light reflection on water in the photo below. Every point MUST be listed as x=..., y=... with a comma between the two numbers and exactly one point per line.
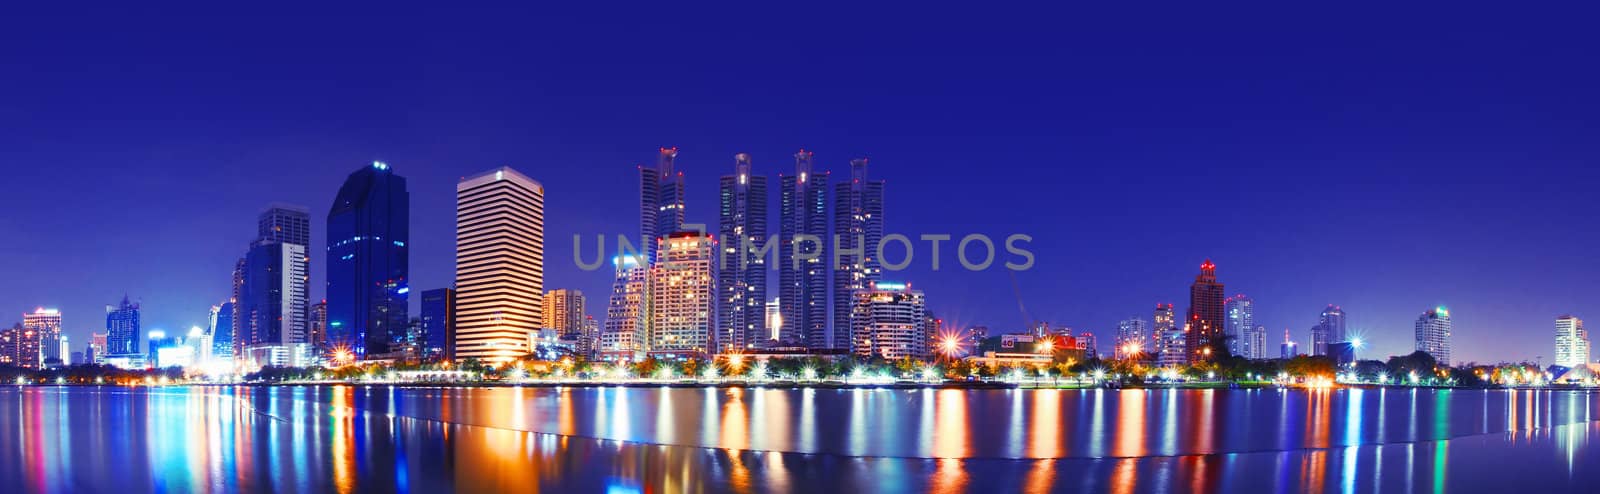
x=381, y=439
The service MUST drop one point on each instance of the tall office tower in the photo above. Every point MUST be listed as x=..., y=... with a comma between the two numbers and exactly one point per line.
x=803, y=275
x=1329, y=329
x=122, y=328
x=742, y=270
x=933, y=327
x=564, y=312
x=628, y=318
x=499, y=264
x=857, y=231
x=661, y=202
x=369, y=238
x=1206, y=315
x=683, y=295
x=276, y=286
x=222, y=331
x=1241, y=314
x=1288, y=349
x=318, y=324
x=1433, y=334
x=438, y=322
x=888, y=321
x=45, y=326
x=1572, y=342
x=237, y=333
x=1168, y=339
x=1258, y=343
x=1131, y=341
x=22, y=347
x=589, y=338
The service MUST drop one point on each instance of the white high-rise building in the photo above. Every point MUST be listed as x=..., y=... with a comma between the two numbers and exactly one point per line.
x=1131, y=339
x=1240, y=314
x=627, y=311
x=889, y=321
x=1168, y=340
x=499, y=265
x=1433, y=334
x=683, y=295
x=1256, y=342
x=1572, y=342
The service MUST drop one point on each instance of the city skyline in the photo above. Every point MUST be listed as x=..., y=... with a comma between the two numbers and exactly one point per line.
x=1444, y=195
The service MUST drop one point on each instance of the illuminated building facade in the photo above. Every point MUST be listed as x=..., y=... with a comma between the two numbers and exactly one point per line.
x=1241, y=313
x=1329, y=329
x=499, y=265
x=1433, y=334
x=275, y=288
x=1572, y=342
x=122, y=328
x=46, y=326
x=1131, y=341
x=564, y=312
x=683, y=296
x=661, y=201
x=1168, y=339
x=1205, y=319
x=368, y=264
x=857, y=232
x=803, y=278
x=888, y=321
x=741, y=272
x=628, y=319
x=438, y=322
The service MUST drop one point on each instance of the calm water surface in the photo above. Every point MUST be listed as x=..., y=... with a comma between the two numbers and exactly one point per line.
x=382, y=439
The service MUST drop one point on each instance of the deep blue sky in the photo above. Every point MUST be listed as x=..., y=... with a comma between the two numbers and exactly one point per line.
x=1387, y=160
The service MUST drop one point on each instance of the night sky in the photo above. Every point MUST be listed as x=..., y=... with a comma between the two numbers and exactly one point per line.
x=1388, y=161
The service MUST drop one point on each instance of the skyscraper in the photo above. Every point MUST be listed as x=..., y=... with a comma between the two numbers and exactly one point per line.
x=857, y=231
x=661, y=201
x=273, y=296
x=628, y=319
x=683, y=296
x=499, y=264
x=1433, y=334
x=774, y=318
x=742, y=272
x=369, y=237
x=237, y=333
x=21, y=347
x=122, y=328
x=1131, y=340
x=1241, y=312
x=1572, y=342
x=45, y=326
x=803, y=278
x=564, y=312
x=889, y=321
x=222, y=332
x=1329, y=329
x=1205, y=319
x=1168, y=339
x=438, y=322
x=1258, y=343
x=319, y=325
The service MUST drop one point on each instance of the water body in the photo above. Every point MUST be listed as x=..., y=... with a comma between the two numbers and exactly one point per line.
x=590, y=439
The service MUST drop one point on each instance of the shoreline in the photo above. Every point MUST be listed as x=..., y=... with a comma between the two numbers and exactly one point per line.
x=996, y=385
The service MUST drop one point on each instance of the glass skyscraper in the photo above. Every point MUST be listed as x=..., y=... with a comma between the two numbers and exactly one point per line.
x=368, y=239
x=274, y=287
x=857, y=231
x=438, y=322
x=122, y=328
x=1206, y=314
x=1241, y=314
x=661, y=205
x=742, y=273
x=803, y=279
